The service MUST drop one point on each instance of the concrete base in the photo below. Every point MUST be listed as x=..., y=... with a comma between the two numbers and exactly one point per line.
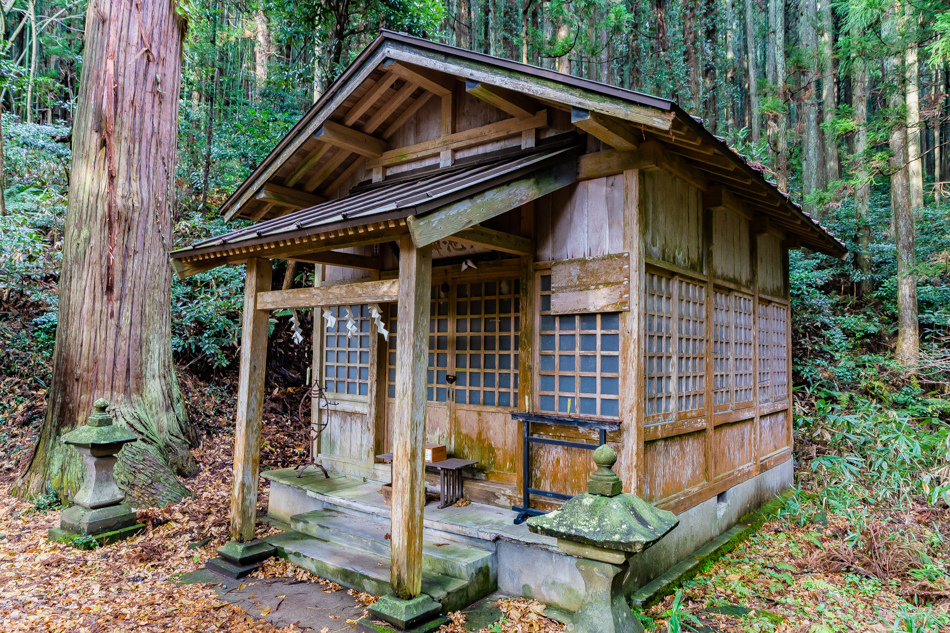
x=531, y=565
x=240, y=559
x=91, y=541
x=229, y=569
x=80, y=520
x=405, y=614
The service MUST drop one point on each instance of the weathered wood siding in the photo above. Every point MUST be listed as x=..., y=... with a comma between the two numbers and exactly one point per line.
x=731, y=248
x=583, y=220
x=771, y=266
x=671, y=218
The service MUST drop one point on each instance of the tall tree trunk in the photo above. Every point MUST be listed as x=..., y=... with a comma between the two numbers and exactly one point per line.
x=710, y=101
x=263, y=50
x=114, y=335
x=862, y=192
x=730, y=65
x=780, y=143
x=752, y=72
x=938, y=126
x=829, y=92
x=3, y=185
x=34, y=58
x=912, y=87
x=811, y=135
x=563, y=35
x=209, y=130
x=908, y=343
x=692, y=56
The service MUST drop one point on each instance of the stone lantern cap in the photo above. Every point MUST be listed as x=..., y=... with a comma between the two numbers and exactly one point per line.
x=604, y=517
x=99, y=430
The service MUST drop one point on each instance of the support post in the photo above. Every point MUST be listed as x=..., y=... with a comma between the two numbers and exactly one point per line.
x=415, y=281
x=631, y=340
x=250, y=402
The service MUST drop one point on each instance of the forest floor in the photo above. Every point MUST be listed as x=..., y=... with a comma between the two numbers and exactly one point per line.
x=801, y=572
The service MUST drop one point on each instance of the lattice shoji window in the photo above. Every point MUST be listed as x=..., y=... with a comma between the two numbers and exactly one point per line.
x=487, y=327
x=659, y=345
x=346, y=365
x=436, y=381
x=743, y=349
x=675, y=347
x=733, y=352
x=438, y=361
x=578, y=360
x=779, y=352
x=690, y=346
x=764, y=334
x=722, y=349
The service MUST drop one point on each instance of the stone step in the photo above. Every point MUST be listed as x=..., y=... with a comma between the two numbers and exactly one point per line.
x=371, y=535
x=365, y=571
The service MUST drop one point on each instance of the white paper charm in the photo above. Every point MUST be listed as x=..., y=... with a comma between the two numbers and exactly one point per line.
x=351, y=328
x=377, y=315
x=329, y=318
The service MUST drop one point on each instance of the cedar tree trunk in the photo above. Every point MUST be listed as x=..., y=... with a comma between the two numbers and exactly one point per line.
x=114, y=334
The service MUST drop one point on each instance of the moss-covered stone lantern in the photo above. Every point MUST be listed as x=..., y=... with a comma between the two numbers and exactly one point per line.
x=604, y=528
x=99, y=513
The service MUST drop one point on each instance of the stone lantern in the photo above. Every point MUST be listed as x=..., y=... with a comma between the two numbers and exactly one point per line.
x=99, y=511
x=604, y=528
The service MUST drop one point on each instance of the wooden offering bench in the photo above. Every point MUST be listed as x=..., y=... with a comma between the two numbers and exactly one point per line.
x=450, y=477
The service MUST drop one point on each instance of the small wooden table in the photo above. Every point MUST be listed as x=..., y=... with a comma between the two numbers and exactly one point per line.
x=450, y=477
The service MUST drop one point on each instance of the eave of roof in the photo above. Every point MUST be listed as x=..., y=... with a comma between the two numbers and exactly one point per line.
x=812, y=234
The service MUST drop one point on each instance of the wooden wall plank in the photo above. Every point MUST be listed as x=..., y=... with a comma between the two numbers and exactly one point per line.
x=672, y=221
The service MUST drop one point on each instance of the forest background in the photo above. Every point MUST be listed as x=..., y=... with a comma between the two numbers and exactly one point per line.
x=843, y=104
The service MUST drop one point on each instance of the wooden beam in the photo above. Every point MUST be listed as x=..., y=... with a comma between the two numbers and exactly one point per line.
x=346, y=260
x=371, y=97
x=409, y=419
x=306, y=165
x=433, y=81
x=345, y=175
x=264, y=210
x=351, y=140
x=719, y=198
x=287, y=197
x=250, y=403
x=495, y=240
x=515, y=104
x=460, y=140
x=389, y=107
x=613, y=132
x=407, y=114
x=673, y=163
x=764, y=225
x=466, y=213
x=342, y=294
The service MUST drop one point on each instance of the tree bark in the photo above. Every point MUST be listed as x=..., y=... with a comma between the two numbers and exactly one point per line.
x=938, y=126
x=710, y=102
x=752, y=72
x=209, y=129
x=3, y=185
x=811, y=138
x=915, y=170
x=780, y=143
x=34, y=58
x=908, y=343
x=114, y=334
x=730, y=64
x=263, y=50
x=862, y=191
x=829, y=92
x=692, y=56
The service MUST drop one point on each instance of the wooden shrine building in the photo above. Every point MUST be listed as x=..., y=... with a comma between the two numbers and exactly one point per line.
x=558, y=263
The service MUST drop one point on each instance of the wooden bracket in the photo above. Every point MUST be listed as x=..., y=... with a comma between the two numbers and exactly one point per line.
x=720, y=198
x=515, y=104
x=495, y=240
x=611, y=131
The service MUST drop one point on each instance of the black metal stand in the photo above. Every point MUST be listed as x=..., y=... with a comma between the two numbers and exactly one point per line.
x=315, y=392
x=526, y=418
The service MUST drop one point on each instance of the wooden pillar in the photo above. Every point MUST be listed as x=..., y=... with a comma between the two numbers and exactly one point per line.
x=250, y=402
x=526, y=336
x=408, y=434
x=316, y=373
x=631, y=341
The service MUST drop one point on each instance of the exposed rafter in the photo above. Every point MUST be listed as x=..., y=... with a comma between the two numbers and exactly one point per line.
x=371, y=97
x=287, y=197
x=434, y=81
x=306, y=164
x=351, y=140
